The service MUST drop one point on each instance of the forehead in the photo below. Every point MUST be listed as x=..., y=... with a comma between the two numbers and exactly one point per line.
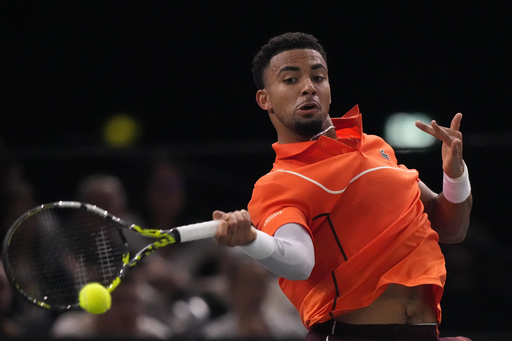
x=298, y=58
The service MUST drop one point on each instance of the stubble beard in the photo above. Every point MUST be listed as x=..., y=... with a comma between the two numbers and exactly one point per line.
x=308, y=128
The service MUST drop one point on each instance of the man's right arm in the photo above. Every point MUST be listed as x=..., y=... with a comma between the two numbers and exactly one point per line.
x=289, y=253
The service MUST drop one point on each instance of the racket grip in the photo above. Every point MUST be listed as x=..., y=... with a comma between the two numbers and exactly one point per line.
x=197, y=231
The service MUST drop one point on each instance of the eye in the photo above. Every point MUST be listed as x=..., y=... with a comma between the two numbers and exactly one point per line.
x=289, y=80
x=318, y=78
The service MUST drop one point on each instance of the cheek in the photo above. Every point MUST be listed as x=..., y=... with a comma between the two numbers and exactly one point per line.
x=282, y=99
x=326, y=97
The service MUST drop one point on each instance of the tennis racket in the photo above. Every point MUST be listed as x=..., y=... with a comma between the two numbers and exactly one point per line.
x=53, y=250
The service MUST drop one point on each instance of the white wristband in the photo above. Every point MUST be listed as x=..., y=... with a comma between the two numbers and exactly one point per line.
x=457, y=190
x=261, y=248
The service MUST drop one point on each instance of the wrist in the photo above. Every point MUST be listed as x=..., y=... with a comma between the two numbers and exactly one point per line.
x=457, y=190
x=262, y=247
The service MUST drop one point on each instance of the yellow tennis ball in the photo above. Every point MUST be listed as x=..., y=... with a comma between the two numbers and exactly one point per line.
x=95, y=298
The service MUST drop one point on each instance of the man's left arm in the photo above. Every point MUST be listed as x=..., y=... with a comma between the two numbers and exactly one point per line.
x=449, y=211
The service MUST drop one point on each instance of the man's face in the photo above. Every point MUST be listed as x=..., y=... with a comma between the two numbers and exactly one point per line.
x=297, y=94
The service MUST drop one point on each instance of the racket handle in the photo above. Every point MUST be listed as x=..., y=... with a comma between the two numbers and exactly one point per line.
x=187, y=233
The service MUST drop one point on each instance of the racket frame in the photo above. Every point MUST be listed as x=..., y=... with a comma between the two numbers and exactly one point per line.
x=181, y=234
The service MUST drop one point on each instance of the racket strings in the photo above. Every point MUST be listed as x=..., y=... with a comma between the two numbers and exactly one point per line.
x=108, y=268
x=54, y=252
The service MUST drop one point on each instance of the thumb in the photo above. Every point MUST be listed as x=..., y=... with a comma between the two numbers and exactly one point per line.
x=219, y=215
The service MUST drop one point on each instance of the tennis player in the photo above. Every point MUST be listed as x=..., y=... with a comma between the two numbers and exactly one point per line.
x=353, y=235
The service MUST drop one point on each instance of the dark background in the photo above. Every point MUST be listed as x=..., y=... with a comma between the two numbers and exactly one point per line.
x=183, y=70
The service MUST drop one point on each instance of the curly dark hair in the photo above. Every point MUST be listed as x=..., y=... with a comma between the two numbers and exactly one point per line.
x=284, y=42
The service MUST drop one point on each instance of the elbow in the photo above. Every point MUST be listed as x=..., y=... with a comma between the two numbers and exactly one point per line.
x=306, y=272
x=298, y=275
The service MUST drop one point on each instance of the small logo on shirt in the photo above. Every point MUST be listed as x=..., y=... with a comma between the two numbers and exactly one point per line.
x=272, y=216
x=384, y=155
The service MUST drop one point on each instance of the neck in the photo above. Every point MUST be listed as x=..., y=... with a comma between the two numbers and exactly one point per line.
x=321, y=133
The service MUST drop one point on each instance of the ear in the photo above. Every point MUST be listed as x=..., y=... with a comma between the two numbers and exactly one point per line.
x=262, y=100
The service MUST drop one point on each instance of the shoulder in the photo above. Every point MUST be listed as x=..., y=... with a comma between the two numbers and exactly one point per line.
x=377, y=146
x=374, y=140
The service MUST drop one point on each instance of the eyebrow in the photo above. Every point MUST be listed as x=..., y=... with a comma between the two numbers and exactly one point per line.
x=295, y=68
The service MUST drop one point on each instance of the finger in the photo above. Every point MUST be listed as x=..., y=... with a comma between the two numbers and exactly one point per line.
x=238, y=217
x=457, y=146
x=229, y=234
x=243, y=231
x=455, y=125
x=222, y=231
x=247, y=217
x=439, y=131
x=424, y=127
x=242, y=218
x=442, y=133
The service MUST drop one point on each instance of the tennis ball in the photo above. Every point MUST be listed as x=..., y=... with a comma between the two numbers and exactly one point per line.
x=95, y=298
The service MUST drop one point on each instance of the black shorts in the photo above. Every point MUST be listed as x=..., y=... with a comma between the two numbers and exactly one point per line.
x=336, y=331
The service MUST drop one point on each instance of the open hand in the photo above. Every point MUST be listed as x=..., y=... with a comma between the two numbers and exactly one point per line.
x=453, y=164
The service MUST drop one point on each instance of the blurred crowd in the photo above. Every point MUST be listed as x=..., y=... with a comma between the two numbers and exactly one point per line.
x=196, y=290
x=201, y=290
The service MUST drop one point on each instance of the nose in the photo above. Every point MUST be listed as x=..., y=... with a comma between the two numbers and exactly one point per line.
x=308, y=87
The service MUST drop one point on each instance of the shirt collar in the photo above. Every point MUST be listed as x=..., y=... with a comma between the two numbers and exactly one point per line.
x=349, y=130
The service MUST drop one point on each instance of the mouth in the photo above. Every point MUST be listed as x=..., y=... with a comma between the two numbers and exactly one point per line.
x=308, y=107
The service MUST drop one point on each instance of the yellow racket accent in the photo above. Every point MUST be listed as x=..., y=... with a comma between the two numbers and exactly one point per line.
x=114, y=284
x=165, y=239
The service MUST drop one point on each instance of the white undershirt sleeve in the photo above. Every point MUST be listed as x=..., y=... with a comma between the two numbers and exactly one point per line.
x=289, y=253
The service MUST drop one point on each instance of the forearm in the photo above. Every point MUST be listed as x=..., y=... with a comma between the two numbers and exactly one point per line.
x=288, y=254
x=451, y=221
x=449, y=212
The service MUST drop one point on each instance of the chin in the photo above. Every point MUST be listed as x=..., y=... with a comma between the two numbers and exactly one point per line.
x=309, y=127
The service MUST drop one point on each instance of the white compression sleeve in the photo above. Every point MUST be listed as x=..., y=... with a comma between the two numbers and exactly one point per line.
x=289, y=253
